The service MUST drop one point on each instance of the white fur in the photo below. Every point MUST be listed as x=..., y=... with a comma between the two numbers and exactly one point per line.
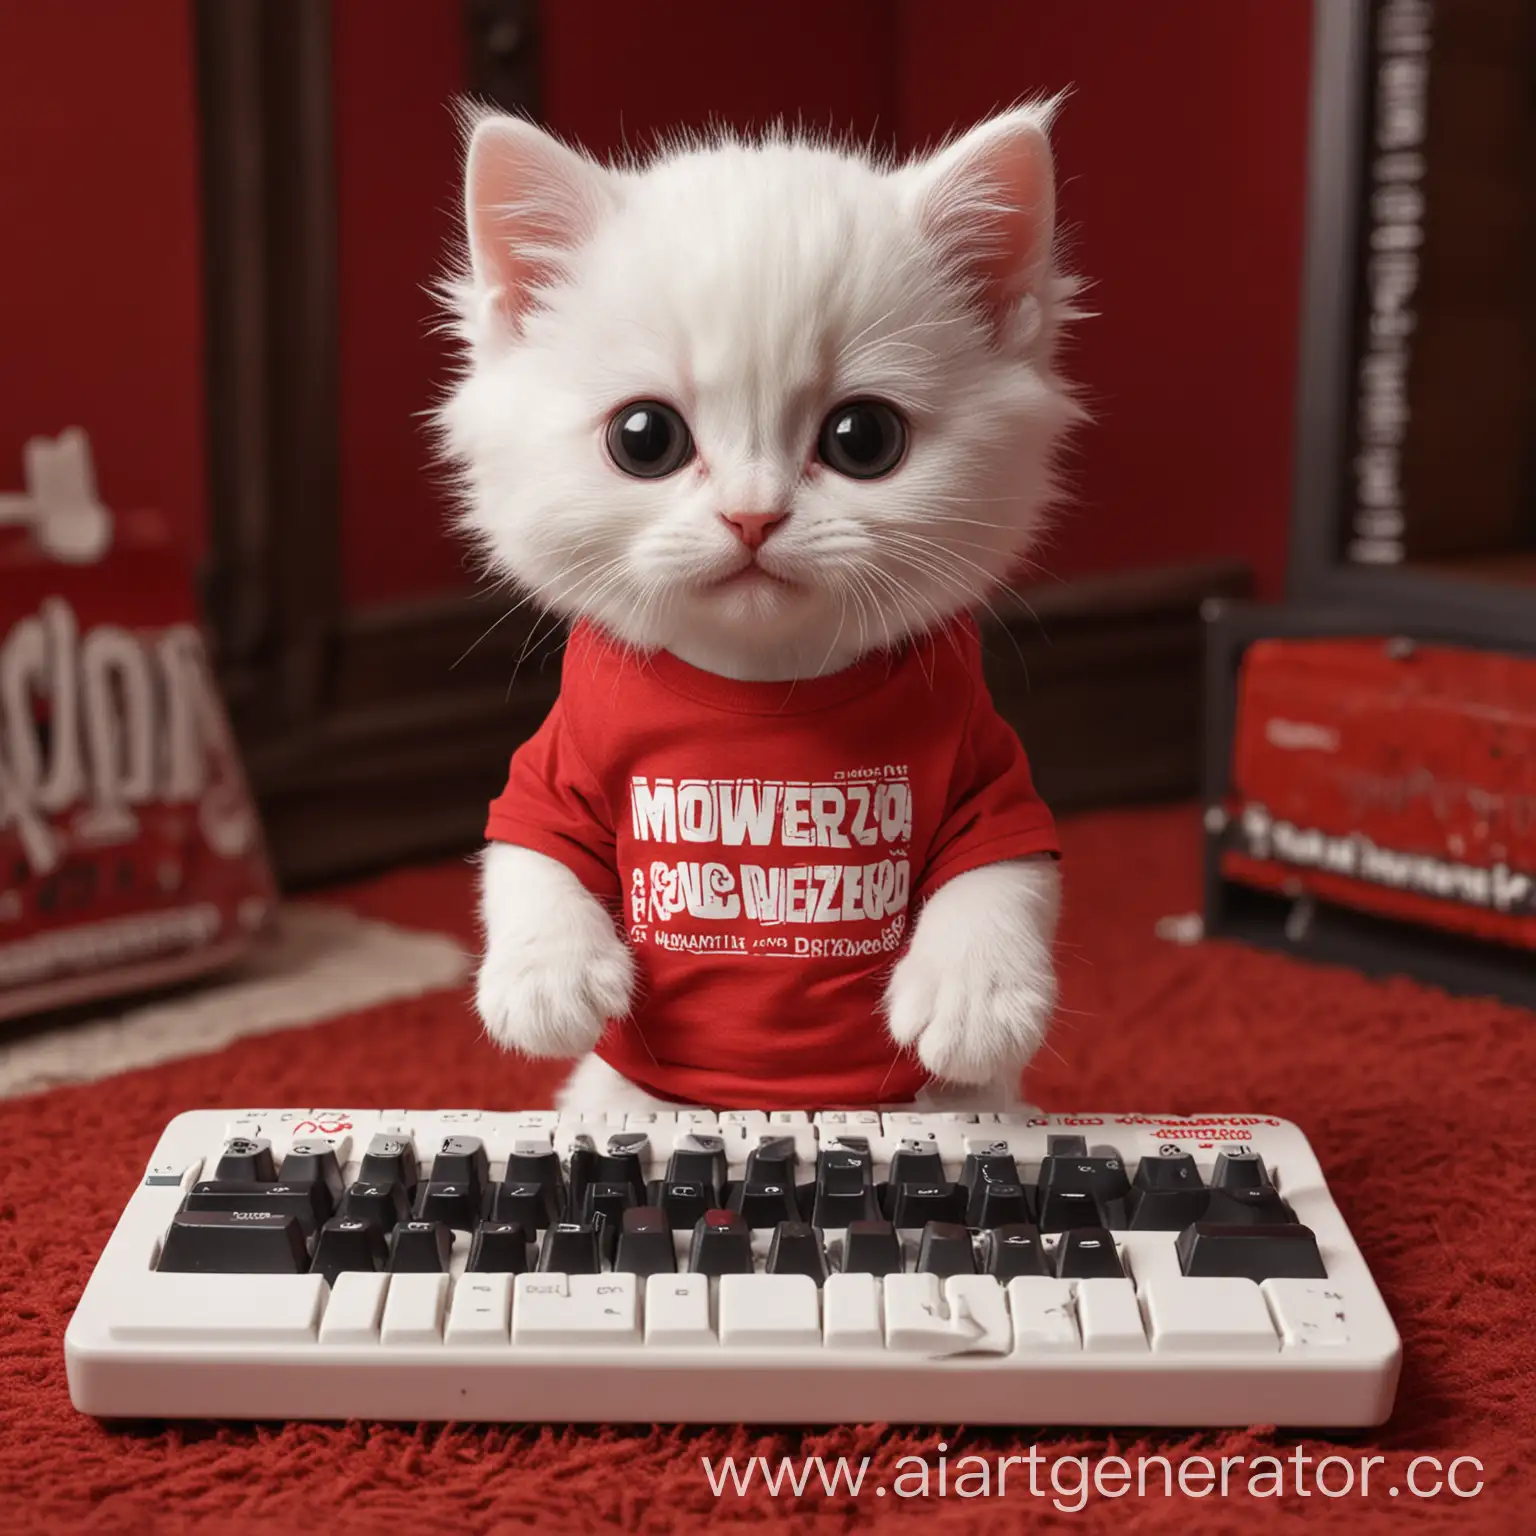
x=753, y=286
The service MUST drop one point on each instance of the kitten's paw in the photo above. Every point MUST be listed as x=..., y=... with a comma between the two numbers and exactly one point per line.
x=555, y=970
x=554, y=998
x=975, y=991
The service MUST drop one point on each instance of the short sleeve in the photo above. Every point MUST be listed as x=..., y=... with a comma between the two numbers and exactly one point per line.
x=992, y=812
x=554, y=805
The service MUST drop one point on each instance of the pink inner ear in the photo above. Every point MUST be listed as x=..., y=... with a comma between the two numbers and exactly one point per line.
x=530, y=202
x=991, y=200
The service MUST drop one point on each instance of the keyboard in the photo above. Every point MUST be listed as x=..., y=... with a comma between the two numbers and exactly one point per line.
x=735, y=1266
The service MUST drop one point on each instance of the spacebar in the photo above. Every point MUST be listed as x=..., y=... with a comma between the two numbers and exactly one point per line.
x=167, y=1308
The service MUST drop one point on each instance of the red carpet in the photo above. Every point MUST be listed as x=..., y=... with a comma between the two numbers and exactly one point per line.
x=1419, y=1106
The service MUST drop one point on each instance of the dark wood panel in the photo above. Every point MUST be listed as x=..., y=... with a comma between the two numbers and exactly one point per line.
x=272, y=584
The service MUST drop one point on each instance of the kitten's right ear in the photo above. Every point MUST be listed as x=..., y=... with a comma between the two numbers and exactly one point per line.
x=529, y=202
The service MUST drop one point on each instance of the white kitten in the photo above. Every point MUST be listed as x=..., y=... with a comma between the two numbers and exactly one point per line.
x=763, y=283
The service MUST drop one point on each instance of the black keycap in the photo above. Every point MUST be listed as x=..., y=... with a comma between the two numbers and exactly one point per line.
x=419, y=1248
x=1066, y=1146
x=697, y=1160
x=346, y=1243
x=1260, y=1206
x=915, y=1205
x=530, y=1205
x=1102, y=1177
x=313, y=1162
x=462, y=1160
x=533, y=1162
x=224, y=1243
x=998, y=1205
x=995, y=1166
x=772, y=1161
x=249, y=1159
x=645, y=1243
x=1242, y=1194
x=381, y=1204
x=607, y=1203
x=763, y=1204
x=571, y=1248
x=581, y=1171
x=1088, y=1253
x=946, y=1249
x=390, y=1160
x=683, y=1203
x=872, y=1248
x=455, y=1205
x=722, y=1245
x=1010, y=1251
x=1167, y=1194
x=1177, y=1172
x=1240, y=1170
x=309, y=1204
x=624, y=1163
x=845, y=1189
x=1250, y=1253
x=1063, y=1209
x=917, y=1164
x=499, y=1248
x=796, y=1250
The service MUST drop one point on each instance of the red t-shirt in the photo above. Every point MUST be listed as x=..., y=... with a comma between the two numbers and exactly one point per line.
x=763, y=845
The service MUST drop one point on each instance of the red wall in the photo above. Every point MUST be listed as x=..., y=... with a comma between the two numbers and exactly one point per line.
x=398, y=68
x=100, y=299
x=1181, y=153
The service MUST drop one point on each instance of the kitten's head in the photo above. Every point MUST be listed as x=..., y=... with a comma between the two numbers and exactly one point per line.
x=767, y=405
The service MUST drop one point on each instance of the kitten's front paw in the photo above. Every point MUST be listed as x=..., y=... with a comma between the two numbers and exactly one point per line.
x=555, y=969
x=554, y=998
x=975, y=991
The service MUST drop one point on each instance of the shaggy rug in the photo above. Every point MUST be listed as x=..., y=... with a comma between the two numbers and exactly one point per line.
x=1418, y=1104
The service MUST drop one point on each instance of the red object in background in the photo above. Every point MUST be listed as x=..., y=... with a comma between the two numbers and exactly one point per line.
x=130, y=851
x=1394, y=778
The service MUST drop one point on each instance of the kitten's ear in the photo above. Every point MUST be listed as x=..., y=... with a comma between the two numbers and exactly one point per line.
x=529, y=202
x=989, y=201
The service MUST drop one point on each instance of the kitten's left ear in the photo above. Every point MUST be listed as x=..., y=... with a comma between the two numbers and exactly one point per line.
x=989, y=201
x=529, y=202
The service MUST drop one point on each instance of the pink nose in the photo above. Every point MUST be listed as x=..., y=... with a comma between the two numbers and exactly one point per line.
x=753, y=528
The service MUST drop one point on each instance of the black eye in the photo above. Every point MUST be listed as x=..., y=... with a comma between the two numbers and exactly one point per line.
x=863, y=439
x=648, y=440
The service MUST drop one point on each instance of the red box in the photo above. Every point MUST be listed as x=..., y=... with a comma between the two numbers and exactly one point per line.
x=1394, y=778
x=131, y=855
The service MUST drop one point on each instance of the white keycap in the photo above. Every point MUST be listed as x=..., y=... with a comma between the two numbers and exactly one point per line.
x=413, y=1309
x=174, y=1172
x=219, y=1309
x=677, y=1311
x=1311, y=1313
x=1209, y=1313
x=1108, y=1315
x=533, y=1122
x=481, y=1310
x=769, y=1311
x=650, y=1122
x=1044, y=1322
x=918, y=1319
x=579, y=1309
x=741, y=1129
x=850, y=1307
x=356, y=1305
x=980, y=1298
x=847, y=1122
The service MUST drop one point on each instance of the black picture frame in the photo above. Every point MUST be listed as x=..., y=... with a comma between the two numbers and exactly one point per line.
x=1319, y=575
